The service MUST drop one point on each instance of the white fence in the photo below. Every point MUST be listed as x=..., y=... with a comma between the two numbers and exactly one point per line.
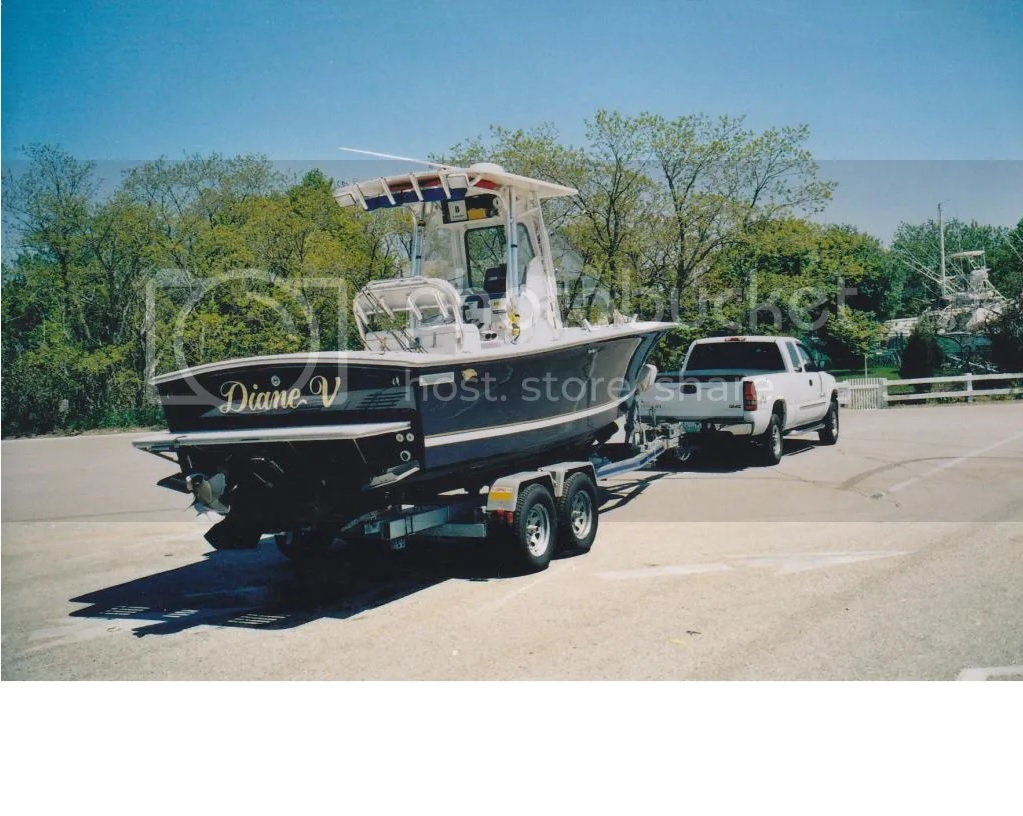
x=873, y=392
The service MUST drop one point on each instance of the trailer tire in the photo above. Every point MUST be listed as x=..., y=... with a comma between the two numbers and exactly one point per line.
x=303, y=544
x=577, y=514
x=533, y=534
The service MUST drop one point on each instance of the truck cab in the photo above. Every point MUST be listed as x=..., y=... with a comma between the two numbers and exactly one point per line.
x=757, y=387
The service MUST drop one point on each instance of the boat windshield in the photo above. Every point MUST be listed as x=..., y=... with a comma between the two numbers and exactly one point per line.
x=442, y=257
x=467, y=257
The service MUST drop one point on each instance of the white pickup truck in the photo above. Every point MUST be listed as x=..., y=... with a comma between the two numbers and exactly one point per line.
x=756, y=387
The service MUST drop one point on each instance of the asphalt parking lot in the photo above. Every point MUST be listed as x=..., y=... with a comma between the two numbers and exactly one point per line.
x=894, y=555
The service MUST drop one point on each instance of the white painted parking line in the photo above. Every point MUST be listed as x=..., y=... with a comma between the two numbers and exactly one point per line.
x=991, y=673
x=671, y=569
x=788, y=563
x=951, y=463
x=546, y=576
x=785, y=563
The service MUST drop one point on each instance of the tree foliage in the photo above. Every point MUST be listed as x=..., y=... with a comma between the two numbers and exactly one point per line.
x=692, y=218
x=244, y=258
x=923, y=355
x=658, y=199
x=1006, y=262
x=1006, y=335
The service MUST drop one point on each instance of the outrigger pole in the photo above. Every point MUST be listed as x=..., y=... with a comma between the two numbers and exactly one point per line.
x=399, y=158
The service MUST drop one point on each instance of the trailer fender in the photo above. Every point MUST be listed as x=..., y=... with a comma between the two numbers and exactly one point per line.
x=561, y=472
x=503, y=495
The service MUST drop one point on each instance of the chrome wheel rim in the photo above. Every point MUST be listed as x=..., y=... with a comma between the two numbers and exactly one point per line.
x=776, y=440
x=581, y=515
x=538, y=530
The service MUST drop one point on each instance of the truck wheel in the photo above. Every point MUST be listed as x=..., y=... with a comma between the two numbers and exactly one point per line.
x=577, y=513
x=303, y=544
x=533, y=534
x=770, y=443
x=829, y=433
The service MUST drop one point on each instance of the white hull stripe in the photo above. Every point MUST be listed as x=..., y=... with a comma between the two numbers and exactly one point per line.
x=434, y=440
x=167, y=440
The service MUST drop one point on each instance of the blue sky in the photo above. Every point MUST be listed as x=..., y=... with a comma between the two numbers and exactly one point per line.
x=874, y=80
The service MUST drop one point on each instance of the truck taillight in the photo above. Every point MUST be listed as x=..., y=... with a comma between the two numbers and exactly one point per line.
x=749, y=396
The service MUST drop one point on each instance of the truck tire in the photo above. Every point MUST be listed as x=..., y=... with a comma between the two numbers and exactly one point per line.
x=303, y=544
x=533, y=534
x=769, y=445
x=828, y=435
x=577, y=514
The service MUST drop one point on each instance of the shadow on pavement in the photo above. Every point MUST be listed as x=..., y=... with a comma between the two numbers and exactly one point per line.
x=719, y=459
x=620, y=493
x=260, y=589
x=740, y=455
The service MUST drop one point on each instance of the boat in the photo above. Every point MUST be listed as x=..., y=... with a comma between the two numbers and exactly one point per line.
x=467, y=371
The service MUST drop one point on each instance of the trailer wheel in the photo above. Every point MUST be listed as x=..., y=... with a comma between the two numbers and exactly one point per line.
x=303, y=544
x=533, y=534
x=577, y=513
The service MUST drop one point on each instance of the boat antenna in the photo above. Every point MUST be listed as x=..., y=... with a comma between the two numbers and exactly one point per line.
x=438, y=165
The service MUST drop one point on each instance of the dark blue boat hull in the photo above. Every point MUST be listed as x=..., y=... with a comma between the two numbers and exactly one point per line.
x=467, y=423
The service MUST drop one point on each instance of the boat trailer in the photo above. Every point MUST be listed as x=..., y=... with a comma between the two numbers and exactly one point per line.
x=532, y=513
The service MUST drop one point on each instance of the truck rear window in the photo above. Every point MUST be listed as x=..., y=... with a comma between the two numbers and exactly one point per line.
x=736, y=356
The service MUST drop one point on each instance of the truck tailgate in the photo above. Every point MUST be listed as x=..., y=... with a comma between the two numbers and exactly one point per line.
x=696, y=396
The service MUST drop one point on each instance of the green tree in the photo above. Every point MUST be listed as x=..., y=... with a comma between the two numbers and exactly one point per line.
x=1006, y=335
x=1006, y=262
x=48, y=207
x=849, y=336
x=95, y=284
x=792, y=276
x=922, y=356
x=603, y=224
x=718, y=179
x=659, y=199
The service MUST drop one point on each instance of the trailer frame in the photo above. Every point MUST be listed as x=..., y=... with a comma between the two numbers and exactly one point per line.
x=496, y=512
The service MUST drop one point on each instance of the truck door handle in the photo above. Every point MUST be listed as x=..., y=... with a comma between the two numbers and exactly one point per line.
x=810, y=381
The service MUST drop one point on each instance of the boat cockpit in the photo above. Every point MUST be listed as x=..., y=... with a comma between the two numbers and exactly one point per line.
x=481, y=273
